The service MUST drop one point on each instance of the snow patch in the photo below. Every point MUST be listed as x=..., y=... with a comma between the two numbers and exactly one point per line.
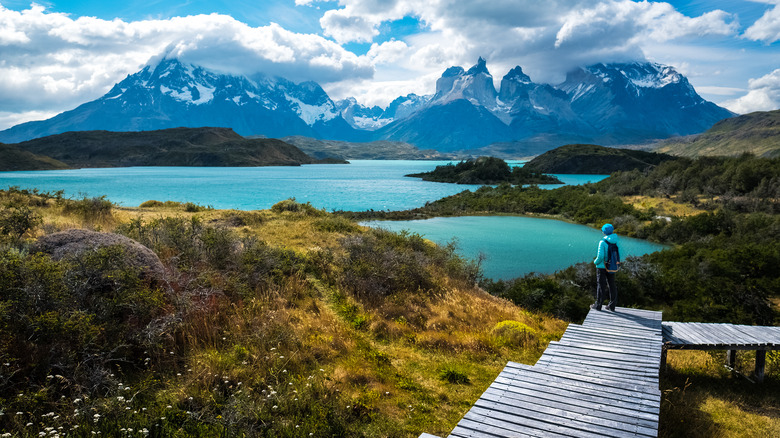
x=206, y=94
x=313, y=113
x=370, y=123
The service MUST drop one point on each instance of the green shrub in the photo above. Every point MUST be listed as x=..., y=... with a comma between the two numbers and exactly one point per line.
x=454, y=376
x=89, y=209
x=336, y=224
x=191, y=207
x=383, y=263
x=76, y=318
x=152, y=204
x=514, y=333
x=291, y=205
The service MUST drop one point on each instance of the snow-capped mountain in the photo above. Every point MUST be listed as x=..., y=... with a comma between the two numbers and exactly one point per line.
x=629, y=102
x=363, y=117
x=173, y=94
x=603, y=103
x=606, y=104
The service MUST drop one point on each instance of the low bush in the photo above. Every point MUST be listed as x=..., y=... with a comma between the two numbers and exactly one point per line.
x=454, y=376
x=291, y=205
x=191, y=207
x=95, y=209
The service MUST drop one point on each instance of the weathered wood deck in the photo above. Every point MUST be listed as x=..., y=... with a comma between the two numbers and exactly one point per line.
x=729, y=337
x=600, y=379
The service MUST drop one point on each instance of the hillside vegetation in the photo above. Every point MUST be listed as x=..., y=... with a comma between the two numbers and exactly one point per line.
x=485, y=170
x=594, y=159
x=12, y=158
x=757, y=133
x=285, y=322
x=167, y=147
x=373, y=150
x=722, y=267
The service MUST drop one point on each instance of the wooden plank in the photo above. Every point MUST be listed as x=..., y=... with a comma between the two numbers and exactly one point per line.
x=685, y=331
x=469, y=428
x=554, y=408
x=558, y=420
x=579, y=396
x=605, y=368
x=642, y=353
x=519, y=425
x=715, y=333
x=611, y=340
x=573, y=377
x=612, y=379
x=618, y=325
x=736, y=336
x=561, y=413
x=624, y=362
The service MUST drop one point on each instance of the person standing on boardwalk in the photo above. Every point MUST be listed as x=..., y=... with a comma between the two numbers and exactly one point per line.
x=605, y=275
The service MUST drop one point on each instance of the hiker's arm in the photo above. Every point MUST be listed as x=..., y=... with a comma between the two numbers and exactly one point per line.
x=600, y=255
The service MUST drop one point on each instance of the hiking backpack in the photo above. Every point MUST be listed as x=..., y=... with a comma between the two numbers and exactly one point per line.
x=612, y=260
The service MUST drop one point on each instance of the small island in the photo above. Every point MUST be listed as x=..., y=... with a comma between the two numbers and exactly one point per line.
x=485, y=170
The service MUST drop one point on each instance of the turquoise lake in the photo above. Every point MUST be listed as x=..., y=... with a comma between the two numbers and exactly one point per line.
x=361, y=185
x=515, y=245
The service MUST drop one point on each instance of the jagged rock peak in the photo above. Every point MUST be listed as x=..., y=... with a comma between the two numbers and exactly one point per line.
x=517, y=75
x=640, y=74
x=453, y=71
x=479, y=67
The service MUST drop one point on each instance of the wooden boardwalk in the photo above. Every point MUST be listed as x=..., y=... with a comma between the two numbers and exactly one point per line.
x=729, y=337
x=600, y=379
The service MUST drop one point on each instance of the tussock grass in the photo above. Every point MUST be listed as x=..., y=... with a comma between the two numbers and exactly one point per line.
x=260, y=330
x=702, y=399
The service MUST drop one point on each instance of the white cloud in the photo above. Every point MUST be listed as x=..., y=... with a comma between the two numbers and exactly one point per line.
x=764, y=95
x=388, y=52
x=546, y=38
x=766, y=28
x=52, y=62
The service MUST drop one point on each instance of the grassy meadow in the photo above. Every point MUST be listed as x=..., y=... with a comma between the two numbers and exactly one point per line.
x=287, y=322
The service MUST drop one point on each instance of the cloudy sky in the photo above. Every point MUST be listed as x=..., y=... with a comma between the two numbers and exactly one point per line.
x=55, y=55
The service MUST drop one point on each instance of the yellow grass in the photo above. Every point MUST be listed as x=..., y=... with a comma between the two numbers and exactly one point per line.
x=701, y=398
x=662, y=206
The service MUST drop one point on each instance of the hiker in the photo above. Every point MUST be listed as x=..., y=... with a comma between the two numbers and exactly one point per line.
x=607, y=261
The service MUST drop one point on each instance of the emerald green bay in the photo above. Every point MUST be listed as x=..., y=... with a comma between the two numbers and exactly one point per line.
x=516, y=245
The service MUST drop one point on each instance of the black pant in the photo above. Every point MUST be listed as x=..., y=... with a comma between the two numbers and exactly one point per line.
x=605, y=279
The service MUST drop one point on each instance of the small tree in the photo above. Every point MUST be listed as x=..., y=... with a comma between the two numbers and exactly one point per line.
x=16, y=221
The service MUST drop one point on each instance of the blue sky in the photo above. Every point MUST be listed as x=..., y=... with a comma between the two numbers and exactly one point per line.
x=55, y=55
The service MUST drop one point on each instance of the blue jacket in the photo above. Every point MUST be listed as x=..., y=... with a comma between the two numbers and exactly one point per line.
x=602, y=251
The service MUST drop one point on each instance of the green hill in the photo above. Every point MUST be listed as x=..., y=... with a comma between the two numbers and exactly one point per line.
x=485, y=170
x=375, y=150
x=13, y=158
x=168, y=147
x=594, y=159
x=757, y=133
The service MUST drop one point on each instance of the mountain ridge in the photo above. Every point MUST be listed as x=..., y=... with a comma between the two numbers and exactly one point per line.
x=604, y=103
